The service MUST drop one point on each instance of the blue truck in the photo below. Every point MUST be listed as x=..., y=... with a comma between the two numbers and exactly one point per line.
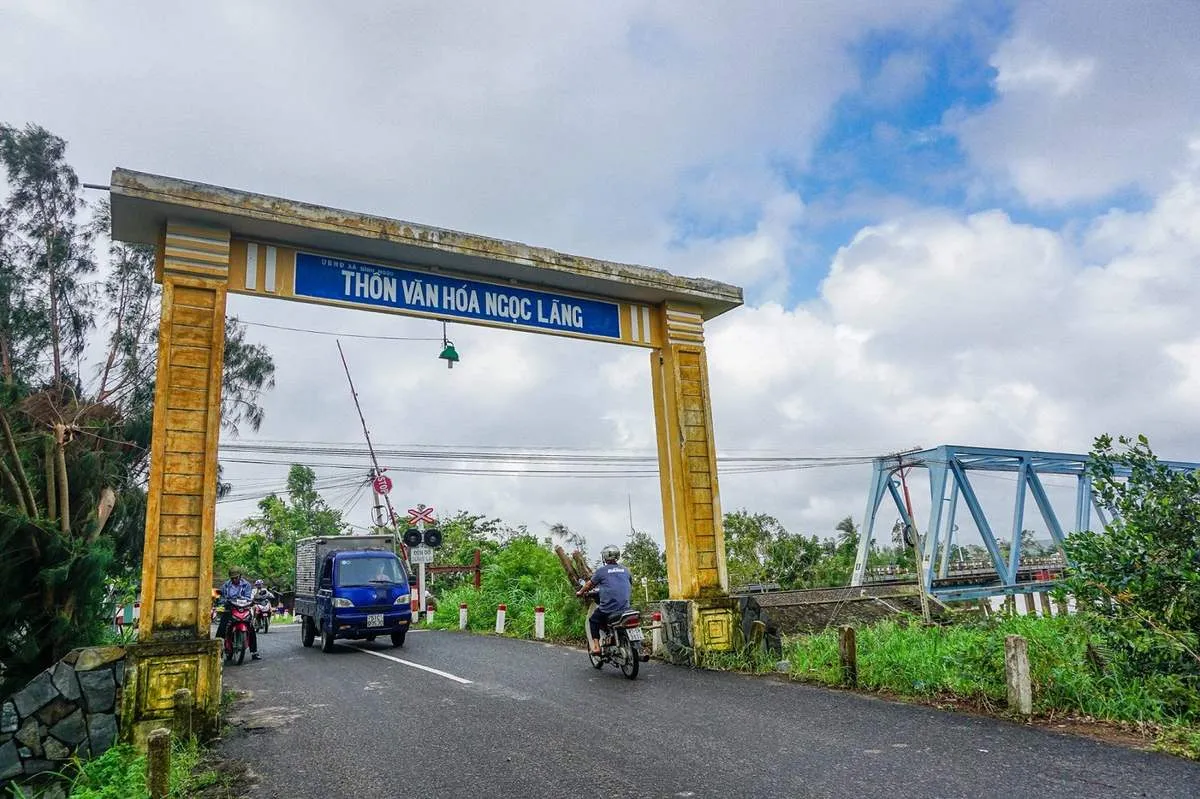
x=353, y=587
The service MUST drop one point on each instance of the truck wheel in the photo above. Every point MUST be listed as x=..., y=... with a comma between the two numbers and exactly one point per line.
x=307, y=632
x=327, y=639
x=398, y=639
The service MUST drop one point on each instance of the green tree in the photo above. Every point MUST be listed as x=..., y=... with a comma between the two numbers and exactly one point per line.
x=462, y=534
x=249, y=370
x=54, y=253
x=759, y=549
x=74, y=454
x=847, y=537
x=67, y=505
x=264, y=545
x=1140, y=576
x=646, y=563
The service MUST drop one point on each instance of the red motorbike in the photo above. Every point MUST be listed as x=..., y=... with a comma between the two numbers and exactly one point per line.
x=237, y=632
x=262, y=616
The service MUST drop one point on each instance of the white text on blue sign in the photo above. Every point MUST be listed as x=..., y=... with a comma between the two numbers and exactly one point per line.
x=368, y=284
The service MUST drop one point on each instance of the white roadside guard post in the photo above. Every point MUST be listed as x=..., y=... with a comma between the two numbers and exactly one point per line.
x=539, y=622
x=500, y=611
x=656, y=644
x=1016, y=668
x=462, y=616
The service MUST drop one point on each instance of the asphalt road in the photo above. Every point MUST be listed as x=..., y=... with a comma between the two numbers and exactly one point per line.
x=467, y=715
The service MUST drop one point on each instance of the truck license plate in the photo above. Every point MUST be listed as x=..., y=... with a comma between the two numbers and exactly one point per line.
x=374, y=619
x=635, y=634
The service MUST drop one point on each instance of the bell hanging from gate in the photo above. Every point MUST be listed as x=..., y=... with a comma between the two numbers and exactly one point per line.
x=449, y=355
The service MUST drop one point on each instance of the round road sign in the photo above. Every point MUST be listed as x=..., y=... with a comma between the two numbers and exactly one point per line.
x=382, y=484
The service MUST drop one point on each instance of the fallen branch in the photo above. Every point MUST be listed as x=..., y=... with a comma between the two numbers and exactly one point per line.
x=60, y=462
x=18, y=469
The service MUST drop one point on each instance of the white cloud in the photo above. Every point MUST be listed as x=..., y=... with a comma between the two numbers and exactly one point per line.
x=1022, y=64
x=1094, y=98
x=585, y=128
x=937, y=328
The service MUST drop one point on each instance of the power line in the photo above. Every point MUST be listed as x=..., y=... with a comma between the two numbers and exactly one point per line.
x=336, y=333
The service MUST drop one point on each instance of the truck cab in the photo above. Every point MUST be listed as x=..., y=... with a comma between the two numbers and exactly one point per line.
x=351, y=589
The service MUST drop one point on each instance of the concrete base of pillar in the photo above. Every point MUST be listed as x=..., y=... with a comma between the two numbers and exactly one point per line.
x=694, y=626
x=154, y=671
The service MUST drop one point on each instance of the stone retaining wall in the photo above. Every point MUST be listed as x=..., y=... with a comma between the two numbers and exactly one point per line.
x=69, y=709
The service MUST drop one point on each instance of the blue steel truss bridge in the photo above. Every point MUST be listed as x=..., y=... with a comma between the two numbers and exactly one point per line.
x=1005, y=570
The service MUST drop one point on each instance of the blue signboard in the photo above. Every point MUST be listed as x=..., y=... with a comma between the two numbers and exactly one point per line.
x=328, y=278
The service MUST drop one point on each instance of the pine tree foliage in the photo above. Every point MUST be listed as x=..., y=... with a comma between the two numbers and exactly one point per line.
x=75, y=435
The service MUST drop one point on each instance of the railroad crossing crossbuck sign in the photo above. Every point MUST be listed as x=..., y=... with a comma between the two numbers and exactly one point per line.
x=420, y=514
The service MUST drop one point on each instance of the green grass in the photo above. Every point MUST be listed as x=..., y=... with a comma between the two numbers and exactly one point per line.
x=565, y=619
x=966, y=662
x=120, y=773
x=522, y=576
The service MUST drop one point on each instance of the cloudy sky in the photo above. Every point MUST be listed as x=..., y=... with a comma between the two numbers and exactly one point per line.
x=955, y=222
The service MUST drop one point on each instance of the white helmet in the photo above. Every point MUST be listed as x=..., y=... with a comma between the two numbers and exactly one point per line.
x=610, y=553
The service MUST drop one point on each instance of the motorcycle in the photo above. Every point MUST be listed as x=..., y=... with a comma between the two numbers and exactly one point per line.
x=262, y=615
x=237, y=632
x=621, y=644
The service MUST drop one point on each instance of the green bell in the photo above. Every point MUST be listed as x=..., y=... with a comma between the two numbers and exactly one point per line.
x=450, y=355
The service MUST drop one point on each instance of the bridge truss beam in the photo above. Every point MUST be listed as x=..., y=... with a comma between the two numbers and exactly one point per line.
x=949, y=469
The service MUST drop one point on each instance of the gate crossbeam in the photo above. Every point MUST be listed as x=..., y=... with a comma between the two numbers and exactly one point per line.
x=949, y=468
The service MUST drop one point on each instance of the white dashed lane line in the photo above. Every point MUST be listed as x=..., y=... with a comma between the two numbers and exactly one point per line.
x=402, y=662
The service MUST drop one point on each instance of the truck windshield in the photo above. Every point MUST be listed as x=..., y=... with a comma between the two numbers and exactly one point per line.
x=367, y=571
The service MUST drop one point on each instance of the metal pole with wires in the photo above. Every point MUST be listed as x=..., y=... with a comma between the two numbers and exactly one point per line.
x=375, y=470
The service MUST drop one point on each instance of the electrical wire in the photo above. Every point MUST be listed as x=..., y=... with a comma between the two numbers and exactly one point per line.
x=335, y=333
x=485, y=461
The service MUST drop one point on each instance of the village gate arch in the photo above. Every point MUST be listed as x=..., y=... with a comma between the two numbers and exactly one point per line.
x=213, y=240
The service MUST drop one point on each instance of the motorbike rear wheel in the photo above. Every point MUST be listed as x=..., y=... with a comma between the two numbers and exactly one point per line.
x=631, y=659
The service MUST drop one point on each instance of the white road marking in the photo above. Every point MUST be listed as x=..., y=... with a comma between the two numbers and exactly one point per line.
x=403, y=662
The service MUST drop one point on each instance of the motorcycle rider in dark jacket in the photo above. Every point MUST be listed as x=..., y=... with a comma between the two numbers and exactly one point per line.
x=615, y=585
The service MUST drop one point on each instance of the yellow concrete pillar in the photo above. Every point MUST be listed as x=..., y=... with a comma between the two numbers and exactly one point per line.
x=174, y=647
x=695, y=541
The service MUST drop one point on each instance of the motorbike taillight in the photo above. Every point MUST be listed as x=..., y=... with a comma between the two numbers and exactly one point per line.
x=633, y=621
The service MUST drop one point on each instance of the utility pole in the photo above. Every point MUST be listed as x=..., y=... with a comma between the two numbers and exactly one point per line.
x=918, y=549
x=377, y=510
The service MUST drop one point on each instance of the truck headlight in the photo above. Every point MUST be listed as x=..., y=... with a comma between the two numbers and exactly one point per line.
x=403, y=599
x=342, y=602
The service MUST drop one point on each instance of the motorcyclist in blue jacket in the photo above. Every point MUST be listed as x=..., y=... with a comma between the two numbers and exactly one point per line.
x=615, y=585
x=237, y=588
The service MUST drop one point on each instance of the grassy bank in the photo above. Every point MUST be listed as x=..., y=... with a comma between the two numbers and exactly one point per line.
x=965, y=662
x=564, y=613
x=522, y=576
x=120, y=773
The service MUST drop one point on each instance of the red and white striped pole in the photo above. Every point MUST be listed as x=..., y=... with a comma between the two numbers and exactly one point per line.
x=462, y=616
x=500, y=612
x=656, y=632
x=539, y=622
